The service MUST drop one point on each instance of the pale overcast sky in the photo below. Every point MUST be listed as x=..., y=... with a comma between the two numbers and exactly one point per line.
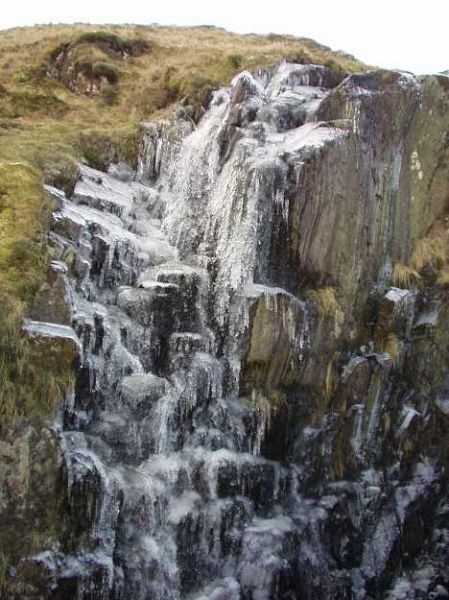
x=404, y=34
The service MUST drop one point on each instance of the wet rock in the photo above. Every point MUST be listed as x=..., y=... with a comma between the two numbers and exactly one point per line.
x=277, y=339
x=200, y=356
x=141, y=390
x=53, y=302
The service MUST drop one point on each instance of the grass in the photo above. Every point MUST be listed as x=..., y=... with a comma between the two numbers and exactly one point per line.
x=326, y=302
x=443, y=277
x=405, y=277
x=267, y=402
x=100, y=148
x=113, y=42
x=29, y=386
x=330, y=381
x=430, y=255
x=24, y=217
x=431, y=250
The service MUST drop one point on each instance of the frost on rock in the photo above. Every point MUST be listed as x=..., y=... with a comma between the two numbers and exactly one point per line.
x=195, y=464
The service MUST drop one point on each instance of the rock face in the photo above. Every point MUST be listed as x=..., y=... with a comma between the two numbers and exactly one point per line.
x=261, y=409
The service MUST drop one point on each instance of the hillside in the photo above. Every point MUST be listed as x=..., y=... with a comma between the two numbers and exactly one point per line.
x=42, y=115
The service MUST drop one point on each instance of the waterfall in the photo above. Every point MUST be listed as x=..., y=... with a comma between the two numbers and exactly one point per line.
x=171, y=283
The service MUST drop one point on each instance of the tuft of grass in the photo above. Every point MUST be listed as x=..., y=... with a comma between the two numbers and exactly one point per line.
x=443, y=277
x=405, y=277
x=330, y=381
x=431, y=250
x=59, y=170
x=110, y=96
x=326, y=301
x=235, y=60
x=267, y=402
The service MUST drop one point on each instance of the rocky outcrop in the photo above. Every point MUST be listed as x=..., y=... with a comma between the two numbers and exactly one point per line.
x=261, y=403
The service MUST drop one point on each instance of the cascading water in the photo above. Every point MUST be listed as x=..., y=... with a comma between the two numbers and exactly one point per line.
x=168, y=495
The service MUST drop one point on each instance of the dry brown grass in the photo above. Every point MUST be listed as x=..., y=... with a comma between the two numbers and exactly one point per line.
x=405, y=277
x=326, y=301
x=430, y=256
x=431, y=250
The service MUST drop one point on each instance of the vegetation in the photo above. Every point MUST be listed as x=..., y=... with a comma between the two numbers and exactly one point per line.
x=113, y=42
x=28, y=385
x=431, y=250
x=430, y=256
x=325, y=299
x=330, y=381
x=405, y=277
x=443, y=277
x=267, y=402
x=100, y=148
